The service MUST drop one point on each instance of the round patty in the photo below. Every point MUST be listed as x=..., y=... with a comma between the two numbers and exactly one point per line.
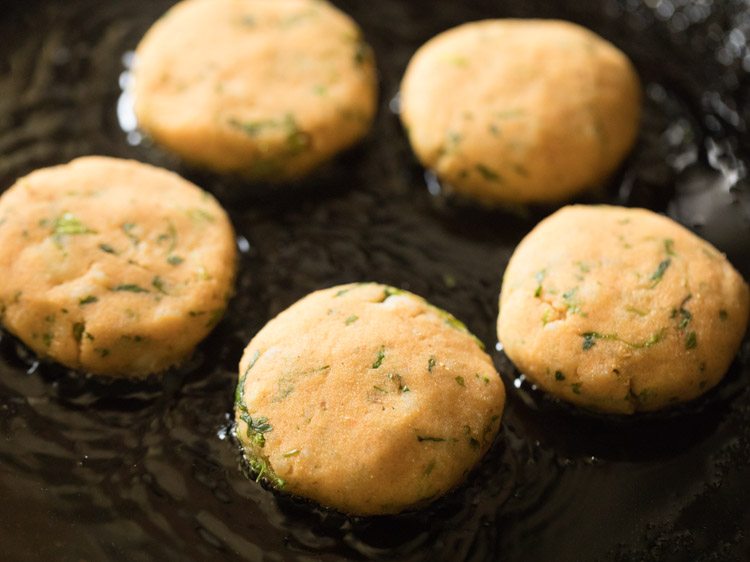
x=366, y=399
x=113, y=266
x=266, y=89
x=519, y=111
x=620, y=310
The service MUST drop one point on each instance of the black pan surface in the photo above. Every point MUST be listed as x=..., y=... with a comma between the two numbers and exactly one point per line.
x=98, y=470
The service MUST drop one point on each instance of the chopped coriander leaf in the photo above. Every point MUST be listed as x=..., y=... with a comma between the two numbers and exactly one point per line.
x=158, y=284
x=128, y=228
x=691, y=340
x=199, y=215
x=559, y=376
x=422, y=438
x=391, y=292
x=460, y=381
x=539, y=276
x=130, y=288
x=169, y=236
x=590, y=338
x=351, y=320
x=88, y=300
x=253, y=361
x=431, y=362
x=685, y=318
x=576, y=386
x=107, y=249
x=669, y=247
x=361, y=52
x=657, y=276
x=636, y=311
x=174, y=260
x=488, y=173
x=379, y=358
x=571, y=302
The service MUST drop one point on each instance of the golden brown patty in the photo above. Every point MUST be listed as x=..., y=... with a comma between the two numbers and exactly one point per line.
x=367, y=399
x=267, y=89
x=516, y=111
x=620, y=310
x=112, y=266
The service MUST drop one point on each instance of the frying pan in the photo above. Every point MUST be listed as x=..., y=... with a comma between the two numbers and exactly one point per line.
x=92, y=469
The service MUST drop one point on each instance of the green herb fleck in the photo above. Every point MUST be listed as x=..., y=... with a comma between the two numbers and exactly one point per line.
x=657, y=276
x=431, y=362
x=488, y=173
x=576, y=387
x=559, y=376
x=362, y=52
x=158, y=284
x=590, y=338
x=174, y=260
x=107, y=249
x=539, y=276
x=78, y=329
x=130, y=288
x=379, y=358
x=102, y=352
x=669, y=247
x=571, y=302
x=691, y=340
x=684, y=314
x=128, y=229
x=460, y=381
x=200, y=215
x=351, y=320
x=292, y=453
x=68, y=224
x=636, y=311
x=422, y=438
x=88, y=300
